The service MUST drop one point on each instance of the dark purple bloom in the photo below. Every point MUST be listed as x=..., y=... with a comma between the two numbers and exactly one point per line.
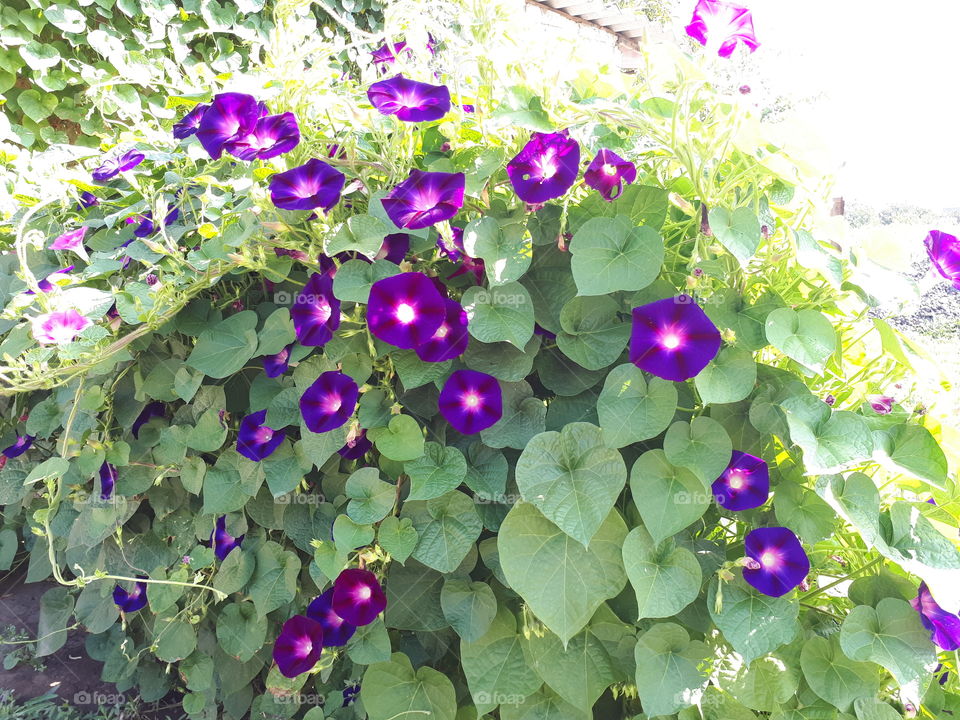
x=255, y=440
x=18, y=448
x=450, y=339
x=108, y=479
x=944, y=627
x=387, y=55
x=777, y=562
x=944, y=251
x=276, y=365
x=545, y=168
x=221, y=541
x=230, y=117
x=316, y=311
x=336, y=630
x=608, y=172
x=315, y=184
x=298, y=646
x=154, y=409
x=116, y=165
x=471, y=401
x=131, y=601
x=405, y=310
x=673, y=338
x=722, y=25
x=358, y=597
x=409, y=100
x=356, y=447
x=145, y=225
x=351, y=691
x=273, y=135
x=744, y=485
x=329, y=402
x=425, y=198
x=452, y=249
x=189, y=123
x=87, y=200
x=881, y=404
x=394, y=248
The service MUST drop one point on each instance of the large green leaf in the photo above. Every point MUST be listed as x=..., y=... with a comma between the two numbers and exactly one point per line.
x=665, y=578
x=611, y=254
x=240, y=631
x=738, y=231
x=438, y=471
x=765, y=685
x=398, y=537
x=523, y=417
x=447, y=526
x=499, y=314
x=572, y=478
x=631, y=409
x=702, y=446
x=544, y=704
x=506, y=251
x=911, y=448
x=562, y=581
x=225, y=349
x=355, y=278
x=753, y=623
x=470, y=607
x=274, y=582
x=394, y=691
x=643, y=204
x=56, y=607
x=728, y=378
x=370, y=497
x=401, y=439
x=593, y=335
x=671, y=671
x=835, y=677
x=668, y=497
x=802, y=335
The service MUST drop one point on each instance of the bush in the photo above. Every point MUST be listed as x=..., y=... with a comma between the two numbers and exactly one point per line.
x=679, y=469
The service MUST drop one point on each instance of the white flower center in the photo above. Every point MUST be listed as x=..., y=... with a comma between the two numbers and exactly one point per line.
x=670, y=341
x=405, y=313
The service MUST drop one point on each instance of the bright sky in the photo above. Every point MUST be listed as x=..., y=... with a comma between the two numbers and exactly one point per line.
x=887, y=69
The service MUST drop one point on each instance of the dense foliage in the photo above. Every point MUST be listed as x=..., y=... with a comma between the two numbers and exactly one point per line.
x=672, y=404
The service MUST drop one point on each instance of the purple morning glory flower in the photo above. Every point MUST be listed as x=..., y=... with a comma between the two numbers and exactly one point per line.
x=471, y=401
x=255, y=440
x=351, y=691
x=298, y=646
x=744, y=485
x=273, y=135
x=58, y=328
x=452, y=249
x=72, y=241
x=944, y=627
x=221, y=541
x=131, y=601
x=52, y=280
x=394, y=248
x=356, y=447
x=145, y=225
x=405, y=310
x=944, y=251
x=673, y=338
x=409, y=100
x=545, y=168
x=152, y=410
x=336, y=630
x=329, y=402
x=450, y=339
x=276, y=365
x=316, y=311
x=358, y=597
x=425, y=198
x=315, y=184
x=116, y=165
x=231, y=116
x=387, y=55
x=468, y=108
x=608, y=172
x=777, y=562
x=189, y=123
x=108, y=480
x=881, y=404
x=87, y=200
x=19, y=447
x=722, y=25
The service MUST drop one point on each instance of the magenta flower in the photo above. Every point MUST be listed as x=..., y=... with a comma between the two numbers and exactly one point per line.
x=336, y=630
x=277, y=365
x=387, y=55
x=315, y=184
x=19, y=447
x=450, y=339
x=944, y=626
x=744, y=485
x=298, y=646
x=673, y=338
x=59, y=328
x=273, y=135
x=108, y=480
x=329, y=402
x=608, y=172
x=722, y=25
x=221, y=541
x=545, y=168
x=356, y=447
x=471, y=401
x=394, y=248
x=131, y=601
x=72, y=241
x=189, y=123
x=405, y=310
x=777, y=562
x=316, y=311
x=116, y=165
x=425, y=198
x=230, y=117
x=881, y=404
x=358, y=597
x=409, y=100
x=944, y=252
x=256, y=441
x=152, y=410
